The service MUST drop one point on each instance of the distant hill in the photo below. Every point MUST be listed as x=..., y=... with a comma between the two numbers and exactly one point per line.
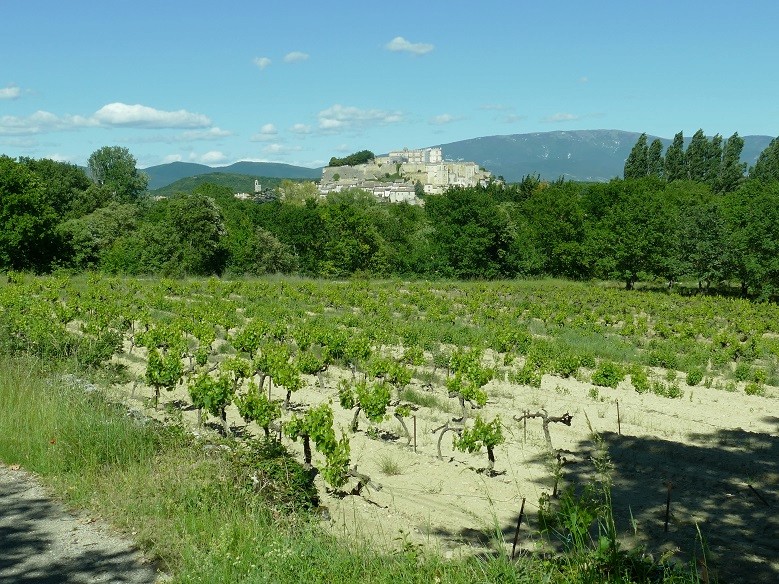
x=581, y=155
x=164, y=174
x=239, y=183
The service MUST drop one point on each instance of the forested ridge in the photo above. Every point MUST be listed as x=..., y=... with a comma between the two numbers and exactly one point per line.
x=694, y=214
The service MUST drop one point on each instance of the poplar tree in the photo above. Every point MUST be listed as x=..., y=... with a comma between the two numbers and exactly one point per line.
x=731, y=170
x=655, y=160
x=695, y=157
x=711, y=167
x=766, y=168
x=674, y=159
x=636, y=163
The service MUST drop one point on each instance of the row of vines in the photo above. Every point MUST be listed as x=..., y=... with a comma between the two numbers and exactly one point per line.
x=254, y=344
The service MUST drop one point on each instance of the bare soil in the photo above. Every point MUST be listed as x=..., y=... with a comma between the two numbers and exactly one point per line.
x=717, y=450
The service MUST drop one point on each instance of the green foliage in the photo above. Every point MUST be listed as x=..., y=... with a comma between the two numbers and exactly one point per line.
x=27, y=239
x=163, y=369
x=694, y=376
x=211, y=394
x=754, y=388
x=742, y=372
x=671, y=389
x=113, y=167
x=317, y=424
x=530, y=374
x=259, y=252
x=254, y=406
x=373, y=399
x=675, y=166
x=636, y=165
x=481, y=435
x=285, y=485
x=766, y=168
x=608, y=374
x=337, y=463
x=360, y=157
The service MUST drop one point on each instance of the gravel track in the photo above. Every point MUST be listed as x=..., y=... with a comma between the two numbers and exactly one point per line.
x=41, y=542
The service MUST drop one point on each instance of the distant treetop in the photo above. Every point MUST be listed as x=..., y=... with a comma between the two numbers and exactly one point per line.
x=360, y=157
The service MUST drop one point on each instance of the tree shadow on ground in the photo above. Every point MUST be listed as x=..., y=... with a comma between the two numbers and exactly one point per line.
x=33, y=553
x=724, y=499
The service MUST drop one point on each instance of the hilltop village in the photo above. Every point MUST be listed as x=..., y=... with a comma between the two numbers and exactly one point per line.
x=402, y=175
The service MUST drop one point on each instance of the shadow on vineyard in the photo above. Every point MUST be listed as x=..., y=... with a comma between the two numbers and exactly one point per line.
x=723, y=488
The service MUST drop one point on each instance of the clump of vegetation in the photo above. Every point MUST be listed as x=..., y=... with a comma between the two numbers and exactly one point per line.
x=360, y=157
x=694, y=376
x=639, y=378
x=608, y=374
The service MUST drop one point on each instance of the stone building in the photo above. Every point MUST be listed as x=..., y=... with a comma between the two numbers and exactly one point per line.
x=393, y=177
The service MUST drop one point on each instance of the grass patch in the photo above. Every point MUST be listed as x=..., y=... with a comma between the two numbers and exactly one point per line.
x=389, y=466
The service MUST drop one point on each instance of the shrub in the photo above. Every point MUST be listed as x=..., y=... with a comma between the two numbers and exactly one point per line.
x=759, y=376
x=694, y=376
x=608, y=374
x=754, y=388
x=565, y=365
x=742, y=372
x=528, y=375
x=639, y=379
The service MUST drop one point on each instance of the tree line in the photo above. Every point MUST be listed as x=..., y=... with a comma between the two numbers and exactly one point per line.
x=56, y=216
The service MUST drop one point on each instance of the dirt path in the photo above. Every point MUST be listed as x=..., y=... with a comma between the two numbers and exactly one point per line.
x=42, y=543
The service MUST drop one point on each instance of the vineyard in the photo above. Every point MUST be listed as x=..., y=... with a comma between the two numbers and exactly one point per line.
x=433, y=412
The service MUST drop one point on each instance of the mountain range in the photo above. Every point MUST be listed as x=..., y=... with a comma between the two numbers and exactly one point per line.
x=578, y=155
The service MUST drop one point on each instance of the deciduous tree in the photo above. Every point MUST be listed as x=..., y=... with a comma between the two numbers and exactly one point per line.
x=115, y=168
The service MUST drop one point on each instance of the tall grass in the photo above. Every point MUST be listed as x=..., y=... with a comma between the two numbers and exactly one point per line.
x=52, y=423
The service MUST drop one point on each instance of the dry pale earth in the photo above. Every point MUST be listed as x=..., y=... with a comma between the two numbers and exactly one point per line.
x=717, y=449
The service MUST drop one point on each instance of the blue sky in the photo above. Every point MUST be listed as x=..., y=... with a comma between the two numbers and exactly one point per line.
x=298, y=82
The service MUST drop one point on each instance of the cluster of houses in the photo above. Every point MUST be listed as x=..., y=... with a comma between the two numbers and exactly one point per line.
x=397, y=177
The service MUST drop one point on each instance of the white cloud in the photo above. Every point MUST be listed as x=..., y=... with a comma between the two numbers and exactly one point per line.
x=300, y=129
x=560, y=117
x=279, y=149
x=512, y=118
x=212, y=157
x=141, y=116
x=295, y=57
x=267, y=133
x=58, y=157
x=172, y=158
x=338, y=117
x=269, y=130
x=399, y=44
x=41, y=122
x=261, y=62
x=210, y=134
x=115, y=115
x=11, y=91
x=443, y=119
x=584, y=79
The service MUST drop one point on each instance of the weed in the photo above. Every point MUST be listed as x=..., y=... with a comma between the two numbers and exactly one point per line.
x=694, y=376
x=389, y=466
x=742, y=372
x=754, y=388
